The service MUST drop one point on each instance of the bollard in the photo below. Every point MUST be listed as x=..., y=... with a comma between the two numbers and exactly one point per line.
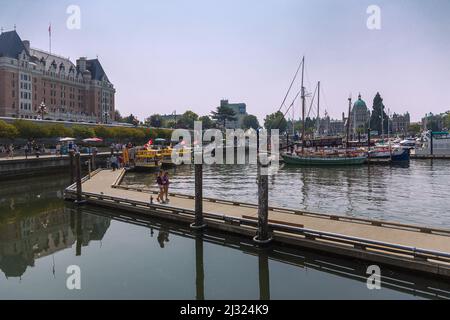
x=198, y=224
x=72, y=179
x=79, y=200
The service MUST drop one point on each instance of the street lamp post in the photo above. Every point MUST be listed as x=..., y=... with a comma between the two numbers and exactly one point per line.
x=42, y=110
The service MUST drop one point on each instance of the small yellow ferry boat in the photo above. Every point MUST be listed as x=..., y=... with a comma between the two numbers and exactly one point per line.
x=166, y=151
x=147, y=159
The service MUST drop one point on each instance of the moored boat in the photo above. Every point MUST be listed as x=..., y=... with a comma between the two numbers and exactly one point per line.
x=311, y=160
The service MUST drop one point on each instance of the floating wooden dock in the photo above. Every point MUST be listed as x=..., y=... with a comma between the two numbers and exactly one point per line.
x=400, y=245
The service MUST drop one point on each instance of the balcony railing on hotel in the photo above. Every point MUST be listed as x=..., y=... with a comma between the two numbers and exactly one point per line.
x=67, y=116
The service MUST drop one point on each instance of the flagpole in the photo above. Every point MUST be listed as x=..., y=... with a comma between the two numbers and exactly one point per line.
x=50, y=37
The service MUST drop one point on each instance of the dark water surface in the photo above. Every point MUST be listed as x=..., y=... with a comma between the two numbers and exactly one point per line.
x=41, y=235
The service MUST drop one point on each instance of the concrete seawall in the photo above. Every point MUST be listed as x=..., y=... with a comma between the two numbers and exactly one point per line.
x=20, y=166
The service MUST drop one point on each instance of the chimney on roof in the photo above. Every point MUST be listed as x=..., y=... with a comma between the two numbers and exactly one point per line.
x=26, y=43
x=81, y=64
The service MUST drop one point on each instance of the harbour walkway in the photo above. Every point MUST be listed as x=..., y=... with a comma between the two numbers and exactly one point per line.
x=406, y=246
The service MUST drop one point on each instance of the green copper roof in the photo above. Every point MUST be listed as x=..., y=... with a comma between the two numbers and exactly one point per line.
x=360, y=103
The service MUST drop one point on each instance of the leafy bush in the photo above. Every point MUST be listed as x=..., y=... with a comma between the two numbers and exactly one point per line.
x=8, y=131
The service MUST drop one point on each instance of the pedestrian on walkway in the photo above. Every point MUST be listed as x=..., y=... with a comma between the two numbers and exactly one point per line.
x=166, y=183
x=159, y=182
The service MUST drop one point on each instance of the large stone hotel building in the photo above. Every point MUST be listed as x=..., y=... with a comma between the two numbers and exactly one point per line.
x=31, y=77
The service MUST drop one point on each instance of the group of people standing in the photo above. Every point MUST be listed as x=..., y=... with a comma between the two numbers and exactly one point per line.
x=163, y=184
x=9, y=150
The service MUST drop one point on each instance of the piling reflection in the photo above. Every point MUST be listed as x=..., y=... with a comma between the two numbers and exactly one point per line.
x=199, y=271
x=264, y=274
x=356, y=270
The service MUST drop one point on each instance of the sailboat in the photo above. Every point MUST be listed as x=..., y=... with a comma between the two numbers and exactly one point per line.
x=325, y=157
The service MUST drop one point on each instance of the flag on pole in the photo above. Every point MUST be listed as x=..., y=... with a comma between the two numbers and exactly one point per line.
x=50, y=38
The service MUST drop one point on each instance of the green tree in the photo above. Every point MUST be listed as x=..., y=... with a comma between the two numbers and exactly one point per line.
x=414, y=128
x=117, y=116
x=377, y=114
x=276, y=121
x=131, y=119
x=250, y=121
x=83, y=132
x=447, y=120
x=103, y=132
x=8, y=131
x=29, y=130
x=154, y=121
x=59, y=130
x=187, y=120
x=223, y=114
x=207, y=122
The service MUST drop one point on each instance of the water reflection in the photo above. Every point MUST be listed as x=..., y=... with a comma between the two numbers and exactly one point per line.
x=150, y=258
x=25, y=239
x=35, y=223
x=351, y=269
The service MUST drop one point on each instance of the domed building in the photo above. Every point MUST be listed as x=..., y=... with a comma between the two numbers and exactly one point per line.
x=360, y=116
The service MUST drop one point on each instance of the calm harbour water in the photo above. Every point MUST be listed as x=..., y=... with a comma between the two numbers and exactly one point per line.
x=418, y=193
x=41, y=235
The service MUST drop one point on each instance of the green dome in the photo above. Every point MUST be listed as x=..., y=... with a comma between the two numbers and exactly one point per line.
x=360, y=104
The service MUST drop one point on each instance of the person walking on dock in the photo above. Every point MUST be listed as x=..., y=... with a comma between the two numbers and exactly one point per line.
x=114, y=164
x=159, y=181
x=11, y=151
x=165, y=180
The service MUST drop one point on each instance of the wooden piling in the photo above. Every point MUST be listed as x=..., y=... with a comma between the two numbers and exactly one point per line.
x=71, y=160
x=93, y=165
x=198, y=223
x=262, y=236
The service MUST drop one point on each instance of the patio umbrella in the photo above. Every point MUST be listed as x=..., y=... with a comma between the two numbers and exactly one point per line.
x=93, y=140
x=66, y=139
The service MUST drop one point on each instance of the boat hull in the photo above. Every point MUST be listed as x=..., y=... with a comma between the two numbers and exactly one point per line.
x=325, y=161
x=397, y=156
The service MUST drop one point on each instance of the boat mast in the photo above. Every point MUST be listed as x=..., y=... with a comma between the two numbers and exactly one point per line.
x=348, y=121
x=318, y=109
x=303, y=107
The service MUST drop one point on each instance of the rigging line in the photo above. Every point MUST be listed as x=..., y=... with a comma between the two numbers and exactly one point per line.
x=326, y=105
x=292, y=83
x=290, y=106
x=312, y=101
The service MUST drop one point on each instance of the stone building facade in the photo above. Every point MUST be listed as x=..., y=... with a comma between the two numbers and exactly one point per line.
x=32, y=77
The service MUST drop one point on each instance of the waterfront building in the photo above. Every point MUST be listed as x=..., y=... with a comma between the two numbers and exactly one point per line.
x=71, y=92
x=331, y=127
x=240, y=110
x=400, y=123
x=434, y=122
x=360, y=116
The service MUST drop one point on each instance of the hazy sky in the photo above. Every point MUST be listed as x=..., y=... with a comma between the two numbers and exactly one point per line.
x=171, y=55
